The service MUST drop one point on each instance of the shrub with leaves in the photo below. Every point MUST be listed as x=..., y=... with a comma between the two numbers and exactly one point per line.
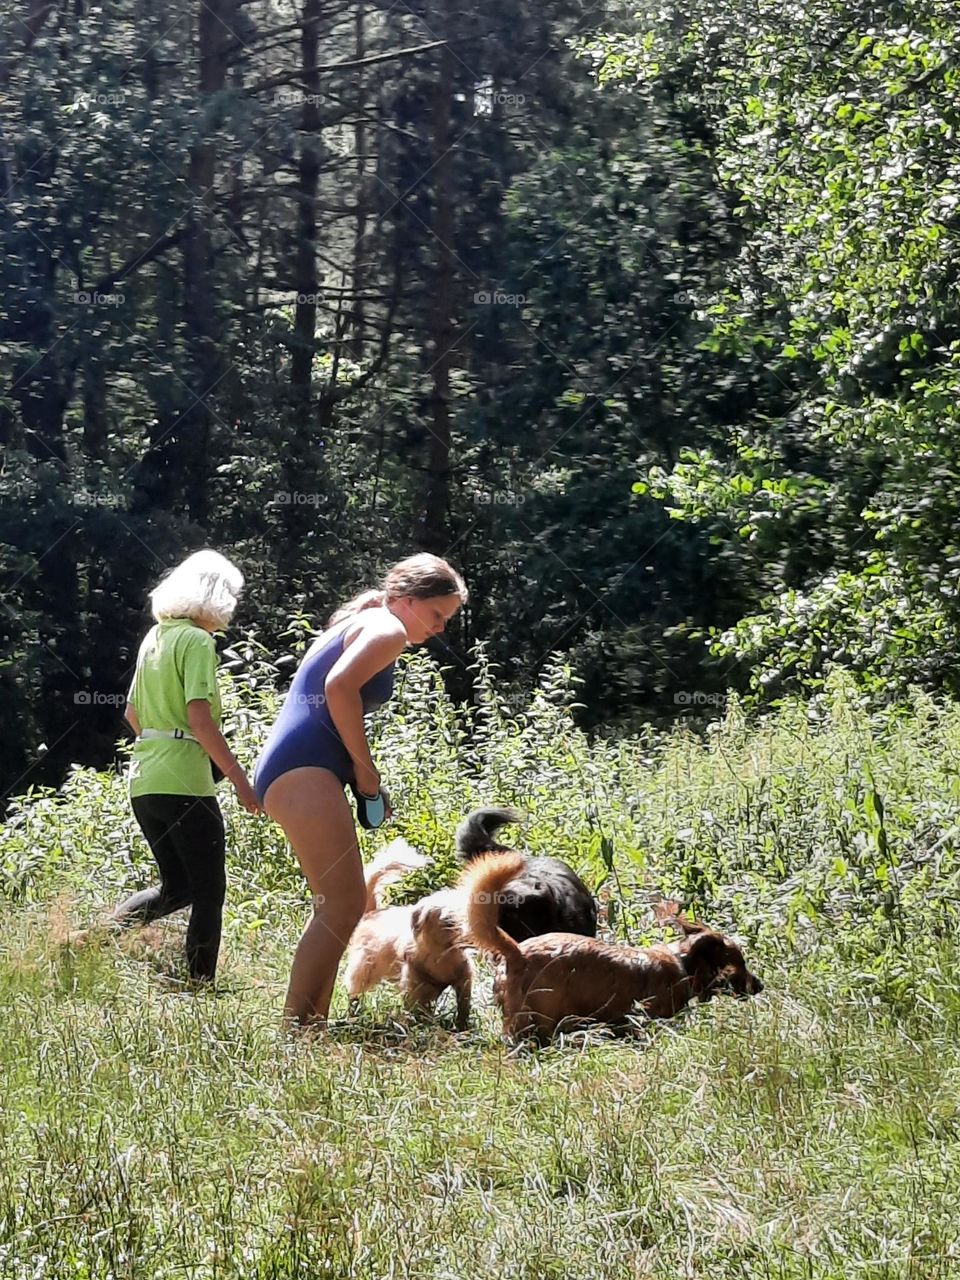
x=833, y=129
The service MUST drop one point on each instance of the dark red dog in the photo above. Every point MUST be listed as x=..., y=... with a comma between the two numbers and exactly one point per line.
x=547, y=979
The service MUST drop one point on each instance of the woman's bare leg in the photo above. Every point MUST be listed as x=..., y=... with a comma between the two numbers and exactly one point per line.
x=311, y=807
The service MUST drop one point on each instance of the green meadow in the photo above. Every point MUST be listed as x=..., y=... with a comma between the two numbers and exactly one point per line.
x=151, y=1131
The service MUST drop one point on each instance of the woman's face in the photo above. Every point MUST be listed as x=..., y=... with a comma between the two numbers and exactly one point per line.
x=425, y=618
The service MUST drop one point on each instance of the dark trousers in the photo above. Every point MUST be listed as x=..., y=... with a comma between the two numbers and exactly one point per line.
x=186, y=837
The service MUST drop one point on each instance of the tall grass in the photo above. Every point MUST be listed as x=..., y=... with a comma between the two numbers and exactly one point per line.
x=150, y=1132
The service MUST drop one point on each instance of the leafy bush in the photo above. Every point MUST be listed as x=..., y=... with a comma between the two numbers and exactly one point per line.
x=830, y=484
x=822, y=824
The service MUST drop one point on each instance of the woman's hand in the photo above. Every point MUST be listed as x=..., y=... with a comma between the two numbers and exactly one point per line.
x=245, y=792
x=369, y=784
x=214, y=743
x=368, y=781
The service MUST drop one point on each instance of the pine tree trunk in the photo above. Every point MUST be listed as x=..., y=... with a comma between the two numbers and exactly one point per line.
x=156, y=476
x=308, y=179
x=301, y=458
x=437, y=499
x=201, y=318
x=358, y=319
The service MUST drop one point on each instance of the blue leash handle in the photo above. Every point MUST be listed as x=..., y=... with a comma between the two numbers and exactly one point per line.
x=371, y=810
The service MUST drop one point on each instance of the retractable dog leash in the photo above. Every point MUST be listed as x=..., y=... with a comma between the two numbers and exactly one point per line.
x=371, y=810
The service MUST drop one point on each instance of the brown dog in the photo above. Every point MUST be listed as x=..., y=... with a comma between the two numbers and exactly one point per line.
x=544, y=980
x=419, y=947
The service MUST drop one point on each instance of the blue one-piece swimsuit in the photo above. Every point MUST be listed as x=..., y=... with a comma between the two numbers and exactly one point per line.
x=303, y=733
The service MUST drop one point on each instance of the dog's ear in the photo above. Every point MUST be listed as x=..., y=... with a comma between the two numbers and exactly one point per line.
x=416, y=919
x=703, y=959
x=668, y=912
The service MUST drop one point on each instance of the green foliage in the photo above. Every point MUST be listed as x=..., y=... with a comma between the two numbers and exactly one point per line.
x=611, y=237
x=713, y=250
x=876, y=625
x=823, y=816
x=834, y=131
x=134, y=429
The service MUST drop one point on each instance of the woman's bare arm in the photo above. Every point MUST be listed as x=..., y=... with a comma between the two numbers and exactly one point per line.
x=380, y=642
x=203, y=728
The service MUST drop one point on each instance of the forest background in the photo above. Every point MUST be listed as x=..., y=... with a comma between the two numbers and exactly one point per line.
x=646, y=316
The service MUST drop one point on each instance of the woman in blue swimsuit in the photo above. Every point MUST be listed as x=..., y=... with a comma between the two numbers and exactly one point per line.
x=318, y=746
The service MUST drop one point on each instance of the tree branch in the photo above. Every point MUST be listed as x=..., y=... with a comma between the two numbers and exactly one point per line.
x=276, y=81
x=141, y=260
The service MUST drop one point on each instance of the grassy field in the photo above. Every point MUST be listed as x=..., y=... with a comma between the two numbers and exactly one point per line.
x=147, y=1131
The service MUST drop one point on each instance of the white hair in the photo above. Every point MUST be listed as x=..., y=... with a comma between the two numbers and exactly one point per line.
x=204, y=587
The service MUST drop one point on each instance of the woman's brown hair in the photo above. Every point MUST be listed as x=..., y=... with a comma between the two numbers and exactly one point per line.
x=419, y=577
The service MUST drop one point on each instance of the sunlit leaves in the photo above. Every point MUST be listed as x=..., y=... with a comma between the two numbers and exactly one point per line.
x=834, y=129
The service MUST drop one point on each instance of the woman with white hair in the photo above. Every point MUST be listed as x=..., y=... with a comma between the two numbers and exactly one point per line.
x=174, y=708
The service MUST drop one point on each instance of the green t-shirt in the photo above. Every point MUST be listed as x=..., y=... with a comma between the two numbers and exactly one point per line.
x=177, y=663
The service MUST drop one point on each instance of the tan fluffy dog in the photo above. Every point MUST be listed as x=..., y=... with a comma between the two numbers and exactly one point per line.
x=546, y=979
x=418, y=947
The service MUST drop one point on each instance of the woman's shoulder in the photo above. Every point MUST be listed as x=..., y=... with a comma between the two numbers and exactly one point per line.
x=194, y=640
x=377, y=622
x=199, y=636
x=376, y=625
x=322, y=642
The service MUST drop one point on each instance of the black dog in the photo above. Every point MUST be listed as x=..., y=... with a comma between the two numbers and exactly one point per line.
x=547, y=897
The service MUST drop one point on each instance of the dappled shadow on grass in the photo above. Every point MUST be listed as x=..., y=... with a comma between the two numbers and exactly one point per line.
x=396, y=1030
x=48, y=959
x=42, y=957
x=175, y=1135
x=157, y=948
x=395, y=1034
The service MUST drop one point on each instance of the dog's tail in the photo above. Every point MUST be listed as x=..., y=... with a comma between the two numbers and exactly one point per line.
x=475, y=833
x=388, y=866
x=482, y=885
